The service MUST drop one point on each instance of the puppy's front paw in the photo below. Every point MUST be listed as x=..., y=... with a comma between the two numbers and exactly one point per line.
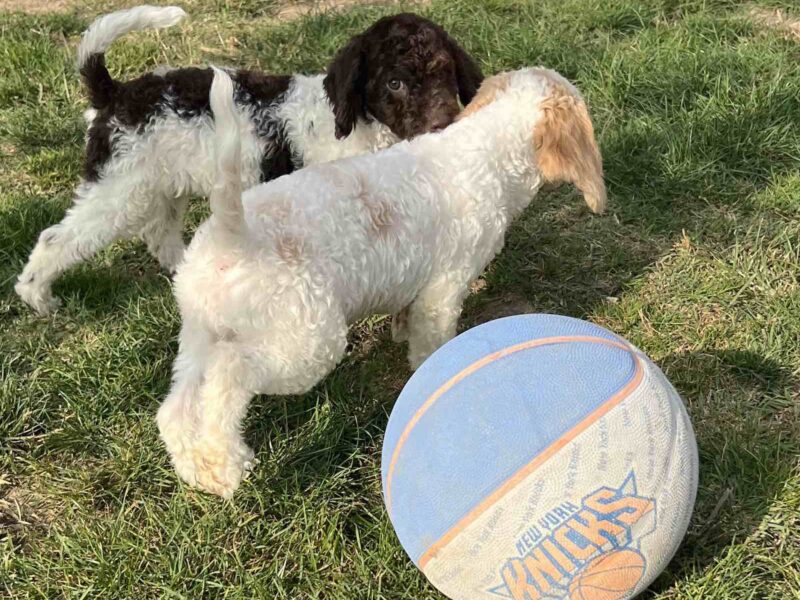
x=415, y=359
x=219, y=470
x=39, y=298
x=400, y=326
x=183, y=462
x=169, y=257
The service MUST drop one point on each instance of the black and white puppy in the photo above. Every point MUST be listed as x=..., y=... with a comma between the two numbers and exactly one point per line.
x=150, y=142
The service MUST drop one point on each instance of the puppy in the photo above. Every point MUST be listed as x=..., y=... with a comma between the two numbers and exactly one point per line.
x=150, y=142
x=273, y=278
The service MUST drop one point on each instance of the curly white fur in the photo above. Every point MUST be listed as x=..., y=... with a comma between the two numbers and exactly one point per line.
x=266, y=294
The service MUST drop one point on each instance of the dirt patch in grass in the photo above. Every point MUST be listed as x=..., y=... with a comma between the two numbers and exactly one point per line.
x=777, y=19
x=24, y=508
x=295, y=10
x=285, y=10
x=37, y=7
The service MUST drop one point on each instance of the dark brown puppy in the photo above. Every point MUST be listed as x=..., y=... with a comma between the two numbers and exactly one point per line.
x=404, y=71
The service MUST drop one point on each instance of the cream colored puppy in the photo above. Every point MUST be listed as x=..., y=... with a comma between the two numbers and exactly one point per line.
x=275, y=276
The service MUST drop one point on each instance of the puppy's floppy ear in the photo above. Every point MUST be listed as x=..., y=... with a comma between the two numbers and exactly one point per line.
x=344, y=85
x=566, y=149
x=468, y=73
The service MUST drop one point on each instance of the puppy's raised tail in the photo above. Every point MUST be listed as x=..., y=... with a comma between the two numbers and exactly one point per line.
x=226, y=195
x=102, y=33
x=566, y=148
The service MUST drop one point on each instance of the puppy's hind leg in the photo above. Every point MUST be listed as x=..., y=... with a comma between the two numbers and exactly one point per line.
x=286, y=364
x=220, y=455
x=164, y=233
x=179, y=414
x=102, y=213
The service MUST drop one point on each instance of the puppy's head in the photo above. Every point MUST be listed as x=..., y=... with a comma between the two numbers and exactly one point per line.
x=404, y=71
x=565, y=148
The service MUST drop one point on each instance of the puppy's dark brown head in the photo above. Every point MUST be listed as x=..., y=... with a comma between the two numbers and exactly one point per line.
x=404, y=71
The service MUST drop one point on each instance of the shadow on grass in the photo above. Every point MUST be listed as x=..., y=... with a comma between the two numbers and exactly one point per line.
x=319, y=432
x=100, y=290
x=740, y=405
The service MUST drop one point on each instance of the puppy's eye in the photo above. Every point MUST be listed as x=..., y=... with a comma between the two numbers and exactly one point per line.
x=395, y=85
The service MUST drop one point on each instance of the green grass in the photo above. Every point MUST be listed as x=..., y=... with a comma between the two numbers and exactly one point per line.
x=697, y=263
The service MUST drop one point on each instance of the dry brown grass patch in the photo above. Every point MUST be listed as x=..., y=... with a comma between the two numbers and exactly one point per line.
x=776, y=19
x=295, y=10
x=38, y=7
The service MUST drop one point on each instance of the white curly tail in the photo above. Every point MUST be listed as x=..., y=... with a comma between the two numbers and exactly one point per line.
x=226, y=195
x=102, y=33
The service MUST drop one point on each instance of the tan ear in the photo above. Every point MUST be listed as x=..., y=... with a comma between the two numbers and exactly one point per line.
x=566, y=149
x=486, y=94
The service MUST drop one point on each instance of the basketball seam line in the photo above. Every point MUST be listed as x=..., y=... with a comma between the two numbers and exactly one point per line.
x=537, y=461
x=497, y=355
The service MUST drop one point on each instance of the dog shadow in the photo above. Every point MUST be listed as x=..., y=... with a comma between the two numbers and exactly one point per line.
x=316, y=435
x=103, y=289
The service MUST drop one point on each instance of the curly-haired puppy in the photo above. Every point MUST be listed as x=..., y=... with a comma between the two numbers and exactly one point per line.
x=150, y=142
x=273, y=278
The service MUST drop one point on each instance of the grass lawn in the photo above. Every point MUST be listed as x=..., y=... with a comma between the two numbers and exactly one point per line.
x=697, y=108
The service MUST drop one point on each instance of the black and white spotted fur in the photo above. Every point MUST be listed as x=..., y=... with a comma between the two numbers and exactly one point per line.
x=150, y=141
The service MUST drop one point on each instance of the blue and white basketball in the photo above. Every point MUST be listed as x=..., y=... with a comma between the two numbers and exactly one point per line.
x=539, y=456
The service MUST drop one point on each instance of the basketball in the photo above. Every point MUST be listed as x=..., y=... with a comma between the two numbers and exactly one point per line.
x=539, y=456
x=609, y=576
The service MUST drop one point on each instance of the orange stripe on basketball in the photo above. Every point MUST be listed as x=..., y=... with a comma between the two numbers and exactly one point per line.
x=469, y=371
x=540, y=459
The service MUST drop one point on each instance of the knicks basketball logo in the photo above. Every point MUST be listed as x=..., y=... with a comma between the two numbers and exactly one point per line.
x=586, y=552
